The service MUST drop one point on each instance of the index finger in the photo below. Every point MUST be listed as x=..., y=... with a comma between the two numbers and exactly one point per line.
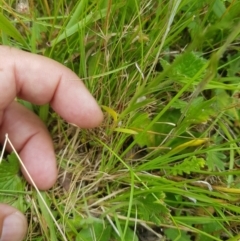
x=40, y=80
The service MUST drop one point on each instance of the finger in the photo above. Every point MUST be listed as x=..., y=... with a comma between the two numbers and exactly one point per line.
x=13, y=224
x=40, y=80
x=31, y=139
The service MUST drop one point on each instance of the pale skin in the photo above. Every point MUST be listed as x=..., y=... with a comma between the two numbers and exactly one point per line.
x=38, y=80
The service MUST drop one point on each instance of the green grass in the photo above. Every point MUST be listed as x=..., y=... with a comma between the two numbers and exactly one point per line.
x=166, y=158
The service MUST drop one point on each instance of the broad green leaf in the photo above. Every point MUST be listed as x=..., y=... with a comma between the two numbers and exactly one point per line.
x=214, y=228
x=178, y=235
x=227, y=104
x=11, y=183
x=7, y=27
x=200, y=111
x=130, y=236
x=9, y=168
x=219, y=8
x=189, y=65
x=151, y=208
x=44, y=112
x=215, y=160
x=97, y=230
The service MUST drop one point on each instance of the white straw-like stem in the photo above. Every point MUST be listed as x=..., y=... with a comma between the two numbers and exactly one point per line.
x=4, y=147
x=34, y=185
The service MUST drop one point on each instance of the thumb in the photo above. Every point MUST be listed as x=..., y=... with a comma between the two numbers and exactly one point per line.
x=13, y=224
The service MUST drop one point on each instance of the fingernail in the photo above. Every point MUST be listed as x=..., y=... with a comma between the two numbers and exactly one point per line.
x=14, y=227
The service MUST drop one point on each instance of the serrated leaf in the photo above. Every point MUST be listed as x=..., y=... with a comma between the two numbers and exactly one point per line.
x=227, y=103
x=189, y=65
x=11, y=183
x=95, y=231
x=215, y=161
x=9, y=168
x=129, y=236
x=179, y=235
x=191, y=164
x=151, y=209
x=200, y=111
x=214, y=228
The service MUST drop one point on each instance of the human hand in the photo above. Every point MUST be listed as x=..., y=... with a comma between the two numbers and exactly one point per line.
x=39, y=80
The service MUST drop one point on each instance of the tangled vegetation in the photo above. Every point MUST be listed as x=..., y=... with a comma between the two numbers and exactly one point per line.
x=164, y=164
